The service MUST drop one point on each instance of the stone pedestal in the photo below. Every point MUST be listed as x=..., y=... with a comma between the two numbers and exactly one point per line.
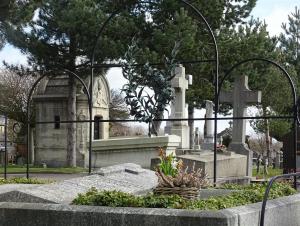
x=208, y=143
x=234, y=165
x=207, y=146
x=243, y=150
x=183, y=132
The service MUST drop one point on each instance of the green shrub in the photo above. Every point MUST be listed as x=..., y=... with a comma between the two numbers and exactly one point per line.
x=164, y=201
x=244, y=195
x=108, y=198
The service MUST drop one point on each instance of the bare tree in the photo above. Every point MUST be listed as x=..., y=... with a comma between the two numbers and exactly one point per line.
x=261, y=146
x=118, y=108
x=14, y=90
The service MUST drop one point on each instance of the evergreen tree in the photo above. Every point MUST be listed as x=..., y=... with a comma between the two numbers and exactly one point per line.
x=290, y=40
x=58, y=34
x=4, y=9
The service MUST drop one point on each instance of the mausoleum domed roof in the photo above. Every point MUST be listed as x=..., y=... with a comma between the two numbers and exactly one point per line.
x=57, y=87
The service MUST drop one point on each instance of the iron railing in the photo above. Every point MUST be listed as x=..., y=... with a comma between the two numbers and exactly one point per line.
x=269, y=186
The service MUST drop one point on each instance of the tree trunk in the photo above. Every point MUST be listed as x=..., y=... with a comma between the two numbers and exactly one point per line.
x=71, y=127
x=267, y=137
x=156, y=124
x=31, y=146
x=71, y=115
x=191, y=125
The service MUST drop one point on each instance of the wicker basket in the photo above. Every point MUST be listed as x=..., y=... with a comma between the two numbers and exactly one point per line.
x=187, y=193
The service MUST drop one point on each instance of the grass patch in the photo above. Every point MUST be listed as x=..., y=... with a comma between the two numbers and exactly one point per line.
x=272, y=173
x=18, y=180
x=247, y=194
x=35, y=169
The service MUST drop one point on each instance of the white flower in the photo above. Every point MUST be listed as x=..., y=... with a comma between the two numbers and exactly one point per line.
x=174, y=164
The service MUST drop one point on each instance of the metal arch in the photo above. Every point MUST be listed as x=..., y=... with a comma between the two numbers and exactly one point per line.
x=28, y=109
x=292, y=86
x=216, y=78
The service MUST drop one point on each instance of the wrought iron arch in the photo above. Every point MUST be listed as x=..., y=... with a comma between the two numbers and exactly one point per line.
x=216, y=66
x=28, y=109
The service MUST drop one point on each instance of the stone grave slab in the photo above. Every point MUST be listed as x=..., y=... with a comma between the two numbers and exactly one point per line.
x=129, y=178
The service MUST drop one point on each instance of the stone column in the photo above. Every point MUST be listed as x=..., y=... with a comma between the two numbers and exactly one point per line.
x=208, y=143
x=197, y=137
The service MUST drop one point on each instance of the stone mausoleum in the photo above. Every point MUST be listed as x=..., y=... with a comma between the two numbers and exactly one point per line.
x=51, y=105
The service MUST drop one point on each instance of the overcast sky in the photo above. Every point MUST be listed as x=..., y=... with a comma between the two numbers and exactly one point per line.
x=274, y=12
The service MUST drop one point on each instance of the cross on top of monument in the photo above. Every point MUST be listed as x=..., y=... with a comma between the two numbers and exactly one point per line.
x=180, y=81
x=240, y=97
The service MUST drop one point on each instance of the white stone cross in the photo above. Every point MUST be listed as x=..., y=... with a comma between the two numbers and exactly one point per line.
x=180, y=85
x=240, y=98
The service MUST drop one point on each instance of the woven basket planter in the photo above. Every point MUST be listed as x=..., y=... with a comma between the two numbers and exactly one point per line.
x=187, y=193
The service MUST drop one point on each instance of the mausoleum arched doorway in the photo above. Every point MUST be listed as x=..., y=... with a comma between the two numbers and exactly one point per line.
x=98, y=127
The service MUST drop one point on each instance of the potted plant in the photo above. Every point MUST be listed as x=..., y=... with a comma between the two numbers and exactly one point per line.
x=174, y=179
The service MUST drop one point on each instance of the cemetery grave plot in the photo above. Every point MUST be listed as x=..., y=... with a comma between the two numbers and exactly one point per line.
x=53, y=201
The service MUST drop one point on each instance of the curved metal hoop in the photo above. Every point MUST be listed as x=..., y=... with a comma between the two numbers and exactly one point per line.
x=216, y=53
x=28, y=108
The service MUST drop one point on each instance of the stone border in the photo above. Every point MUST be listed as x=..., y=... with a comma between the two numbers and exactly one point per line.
x=283, y=211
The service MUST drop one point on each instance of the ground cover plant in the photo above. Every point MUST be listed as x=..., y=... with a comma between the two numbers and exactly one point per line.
x=19, y=180
x=243, y=195
x=271, y=173
x=39, y=169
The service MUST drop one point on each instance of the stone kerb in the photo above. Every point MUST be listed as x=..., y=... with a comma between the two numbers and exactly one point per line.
x=138, y=150
x=280, y=212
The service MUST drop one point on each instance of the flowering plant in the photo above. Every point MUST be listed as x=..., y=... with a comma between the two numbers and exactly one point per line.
x=221, y=148
x=168, y=163
x=171, y=174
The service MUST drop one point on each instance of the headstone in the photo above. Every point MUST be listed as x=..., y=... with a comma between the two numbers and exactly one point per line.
x=180, y=128
x=208, y=143
x=240, y=98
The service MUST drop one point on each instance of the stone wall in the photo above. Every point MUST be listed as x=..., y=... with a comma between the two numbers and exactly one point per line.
x=280, y=212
